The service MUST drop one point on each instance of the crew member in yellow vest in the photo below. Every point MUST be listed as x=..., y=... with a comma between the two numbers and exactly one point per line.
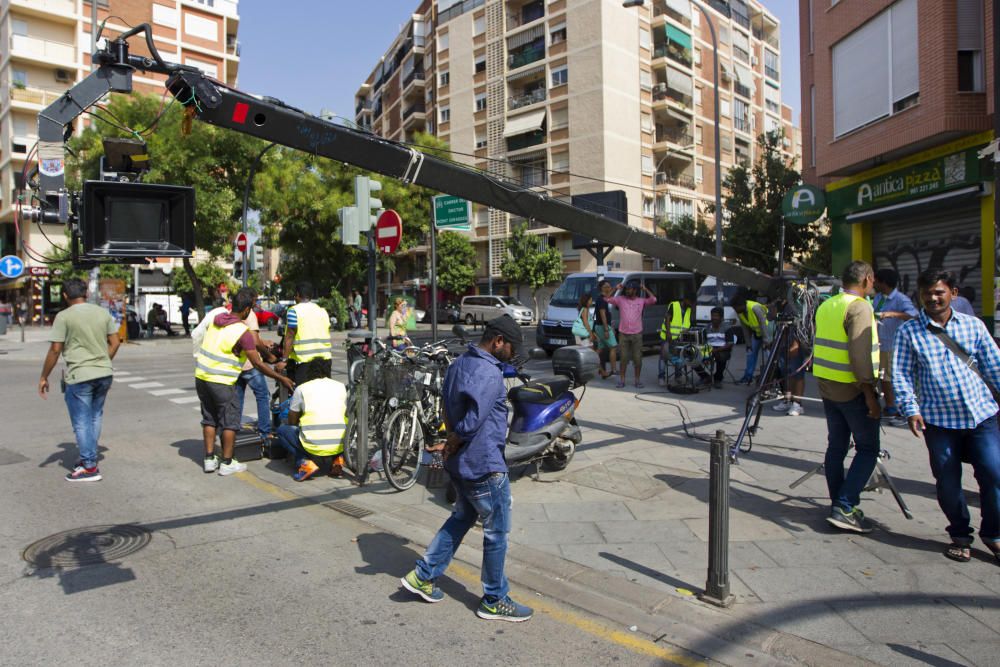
x=845, y=363
x=753, y=318
x=316, y=421
x=307, y=332
x=227, y=344
x=678, y=317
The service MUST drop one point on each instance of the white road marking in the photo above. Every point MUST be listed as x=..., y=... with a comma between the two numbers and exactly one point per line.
x=167, y=392
x=145, y=385
x=185, y=400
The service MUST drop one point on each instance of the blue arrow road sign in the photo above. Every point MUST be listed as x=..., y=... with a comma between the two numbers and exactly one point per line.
x=11, y=266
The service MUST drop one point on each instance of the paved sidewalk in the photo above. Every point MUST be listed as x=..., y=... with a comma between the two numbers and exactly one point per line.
x=633, y=508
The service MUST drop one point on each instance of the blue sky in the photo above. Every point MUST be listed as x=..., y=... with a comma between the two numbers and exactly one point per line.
x=313, y=54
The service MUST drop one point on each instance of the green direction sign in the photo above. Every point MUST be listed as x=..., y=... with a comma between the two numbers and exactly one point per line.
x=452, y=213
x=803, y=204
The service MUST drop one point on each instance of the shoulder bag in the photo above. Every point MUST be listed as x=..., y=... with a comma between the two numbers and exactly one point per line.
x=957, y=350
x=579, y=329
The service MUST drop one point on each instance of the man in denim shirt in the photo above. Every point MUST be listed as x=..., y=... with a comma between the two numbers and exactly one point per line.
x=892, y=308
x=476, y=415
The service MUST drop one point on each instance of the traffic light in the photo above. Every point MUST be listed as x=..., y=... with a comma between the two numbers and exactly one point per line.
x=349, y=232
x=368, y=206
x=257, y=259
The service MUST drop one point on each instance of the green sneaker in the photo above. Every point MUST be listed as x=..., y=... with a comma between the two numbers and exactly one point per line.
x=853, y=521
x=425, y=589
x=503, y=610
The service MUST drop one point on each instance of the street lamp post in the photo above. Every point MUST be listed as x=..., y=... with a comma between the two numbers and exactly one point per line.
x=246, y=204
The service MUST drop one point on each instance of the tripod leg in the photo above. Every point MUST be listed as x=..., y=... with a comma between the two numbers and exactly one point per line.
x=754, y=405
x=886, y=481
x=818, y=469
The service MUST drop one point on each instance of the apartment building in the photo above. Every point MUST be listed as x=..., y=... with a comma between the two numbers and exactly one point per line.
x=46, y=50
x=896, y=107
x=584, y=96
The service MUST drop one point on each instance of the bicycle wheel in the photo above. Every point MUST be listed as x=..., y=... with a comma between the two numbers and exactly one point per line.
x=401, y=447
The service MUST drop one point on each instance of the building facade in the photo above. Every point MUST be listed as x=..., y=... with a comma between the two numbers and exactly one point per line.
x=570, y=98
x=46, y=46
x=897, y=103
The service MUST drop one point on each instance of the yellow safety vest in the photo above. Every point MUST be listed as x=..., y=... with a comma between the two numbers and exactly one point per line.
x=215, y=361
x=749, y=318
x=830, y=358
x=312, y=333
x=323, y=421
x=679, y=320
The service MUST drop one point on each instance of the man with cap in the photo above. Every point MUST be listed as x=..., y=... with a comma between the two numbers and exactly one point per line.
x=475, y=401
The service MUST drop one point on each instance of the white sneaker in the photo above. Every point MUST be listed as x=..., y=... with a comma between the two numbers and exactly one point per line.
x=231, y=468
x=795, y=410
x=662, y=382
x=781, y=407
x=211, y=463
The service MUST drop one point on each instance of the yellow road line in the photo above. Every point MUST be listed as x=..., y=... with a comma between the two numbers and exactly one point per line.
x=624, y=639
x=267, y=487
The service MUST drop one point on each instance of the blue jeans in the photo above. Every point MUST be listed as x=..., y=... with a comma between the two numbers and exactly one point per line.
x=258, y=383
x=752, y=353
x=981, y=445
x=288, y=436
x=487, y=499
x=85, y=401
x=844, y=420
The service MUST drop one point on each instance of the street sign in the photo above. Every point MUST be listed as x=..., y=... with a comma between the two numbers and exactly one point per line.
x=803, y=204
x=11, y=266
x=241, y=242
x=388, y=232
x=38, y=271
x=452, y=213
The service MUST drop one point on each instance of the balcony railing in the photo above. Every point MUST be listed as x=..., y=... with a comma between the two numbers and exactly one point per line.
x=518, y=101
x=33, y=95
x=674, y=52
x=525, y=57
x=418, y=107
x=742, y=20
x=740, y=54
x=661, y=7
x=415, y=75
x=677, y=135
x=61, y=7
x=741, y=124
x=772, y=40
x=458, y=9
x=42, y=49
x=529, y=12
x=531, y=176
x=526, y=140
x=664, y=92
x=740, y=89
x=773, y=107
x=670, y=178
x=771, y=73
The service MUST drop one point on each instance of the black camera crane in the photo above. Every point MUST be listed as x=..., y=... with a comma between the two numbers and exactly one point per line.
x=272, y=120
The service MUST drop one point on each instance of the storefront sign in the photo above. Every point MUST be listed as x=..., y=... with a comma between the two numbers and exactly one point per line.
x=803, y=204
x=943, y=172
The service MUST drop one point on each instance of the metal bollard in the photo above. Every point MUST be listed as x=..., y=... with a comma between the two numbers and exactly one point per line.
x=717, y=585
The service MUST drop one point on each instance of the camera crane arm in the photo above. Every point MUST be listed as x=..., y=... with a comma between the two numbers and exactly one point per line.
x=272, y=120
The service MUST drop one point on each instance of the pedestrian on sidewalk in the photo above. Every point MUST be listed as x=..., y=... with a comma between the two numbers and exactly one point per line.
x=892, y=308
x=316, y=422
x=630, y=307
x=87, y=337
x=756, y=333
x=226, y=346
x=607, y=342
x=475, y=400
x=845, y=364
x=953, y=405
x=584, y=333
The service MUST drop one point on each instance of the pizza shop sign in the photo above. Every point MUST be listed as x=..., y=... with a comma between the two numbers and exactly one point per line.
x=922, y=179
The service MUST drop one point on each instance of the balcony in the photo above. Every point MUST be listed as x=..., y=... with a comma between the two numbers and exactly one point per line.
x=673, y=52
x=418, y=108
x=771, y=73
x=530, y=174
x=62, y=8
x=45, y=50
x=416, y=75
x=741, y=90
x=742, y=124
x=361, y=107
x=772, y=41
x=232, y=46
x=529, y=12
x=526, y=56
x=525, y=140
x=680, y=135
x=741, y=20
x=526, y=99
x=672, y=178
x=33, y=95
x=663, y=92
x=740, y=54
x=661, y=7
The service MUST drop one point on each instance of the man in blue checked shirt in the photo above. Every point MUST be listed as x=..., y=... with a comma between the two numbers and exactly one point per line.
x=947, y=402
x=892, y=308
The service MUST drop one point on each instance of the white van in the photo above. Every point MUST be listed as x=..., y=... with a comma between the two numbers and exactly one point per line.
x=706, y=300
x=485, y=307
x=555, y=329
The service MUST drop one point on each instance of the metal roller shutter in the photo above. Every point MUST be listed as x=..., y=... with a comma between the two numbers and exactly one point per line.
x=949, y=240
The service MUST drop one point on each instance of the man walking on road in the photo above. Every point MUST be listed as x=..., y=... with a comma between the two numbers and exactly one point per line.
x=87, y=337
x=946, y=367
x=475, y=400
x=227, y=345
x=845, y=363
x=307, y=332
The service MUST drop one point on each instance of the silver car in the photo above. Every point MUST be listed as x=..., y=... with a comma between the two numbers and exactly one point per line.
x=484, y=307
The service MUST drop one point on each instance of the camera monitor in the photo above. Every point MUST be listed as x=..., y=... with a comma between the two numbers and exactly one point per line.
x=137, y=220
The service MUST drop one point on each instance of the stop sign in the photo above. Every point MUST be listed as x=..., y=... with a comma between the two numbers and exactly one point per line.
x=241, y=242
x=388, y=232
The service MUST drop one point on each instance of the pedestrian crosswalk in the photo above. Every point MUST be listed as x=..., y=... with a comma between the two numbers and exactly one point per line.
x=157, y=389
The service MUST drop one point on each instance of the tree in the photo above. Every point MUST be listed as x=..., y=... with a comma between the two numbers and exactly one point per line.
x=689, y=231
x=528, y=264
x=213, y=160
x=753, y=202
x=456, y=262
x=210, y=275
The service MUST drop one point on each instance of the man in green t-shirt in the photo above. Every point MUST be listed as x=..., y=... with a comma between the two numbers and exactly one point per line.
x=87, y=337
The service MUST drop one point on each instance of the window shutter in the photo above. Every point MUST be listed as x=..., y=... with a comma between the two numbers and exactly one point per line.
x=970, y=25
x=861, y=76
x=905, y=55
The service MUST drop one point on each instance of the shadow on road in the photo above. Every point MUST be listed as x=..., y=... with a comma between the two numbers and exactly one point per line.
x=647, y=571
x=68, y=456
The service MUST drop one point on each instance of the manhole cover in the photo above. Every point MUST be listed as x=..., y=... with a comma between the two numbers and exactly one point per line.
x=87, y=546
x=349, y=509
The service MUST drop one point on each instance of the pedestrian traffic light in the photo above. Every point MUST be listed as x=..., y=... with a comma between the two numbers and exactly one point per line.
x=257, y=259
x=368, y=206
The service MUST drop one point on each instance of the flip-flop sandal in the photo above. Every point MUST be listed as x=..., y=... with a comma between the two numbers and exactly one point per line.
x=958, y=552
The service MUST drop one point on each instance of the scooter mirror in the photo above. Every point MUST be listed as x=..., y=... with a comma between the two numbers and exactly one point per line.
x=460, y=331
x=538, y=353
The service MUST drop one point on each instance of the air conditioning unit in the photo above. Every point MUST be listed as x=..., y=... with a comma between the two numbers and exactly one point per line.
x=62, y=76
x=660, y=88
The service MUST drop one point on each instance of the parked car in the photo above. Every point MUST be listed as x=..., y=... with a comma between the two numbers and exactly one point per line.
x=486, y=307
x=265, y=318
x=447, y=313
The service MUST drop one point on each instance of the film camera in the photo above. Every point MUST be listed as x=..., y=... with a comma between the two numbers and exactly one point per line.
x=692, y=361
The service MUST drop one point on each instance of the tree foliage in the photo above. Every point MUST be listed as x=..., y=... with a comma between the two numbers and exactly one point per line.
x=456, y=263
x=210, y=275
x=689, y=231
x=753, y=201
x=528, y=264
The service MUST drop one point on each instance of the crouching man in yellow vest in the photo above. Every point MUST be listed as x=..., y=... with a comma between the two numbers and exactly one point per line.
x=224, y=349
x=316, y=421
x=307, y=333
x=845, y=363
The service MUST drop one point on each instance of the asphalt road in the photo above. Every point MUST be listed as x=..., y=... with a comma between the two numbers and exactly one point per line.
x=235, y=571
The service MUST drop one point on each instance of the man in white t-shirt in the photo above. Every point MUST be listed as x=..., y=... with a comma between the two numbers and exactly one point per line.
x=256, y=380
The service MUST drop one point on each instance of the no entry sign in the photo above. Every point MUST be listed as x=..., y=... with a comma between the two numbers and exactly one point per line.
x=388, y=232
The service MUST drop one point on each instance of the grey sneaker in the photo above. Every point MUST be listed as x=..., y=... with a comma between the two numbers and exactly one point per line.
x=231, y=468
x=781, y=407
x=503, y=610
x=425, y=589
x=853, y=521
x=211, y=463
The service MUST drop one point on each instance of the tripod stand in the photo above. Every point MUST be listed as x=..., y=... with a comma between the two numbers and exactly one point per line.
x=879, y=480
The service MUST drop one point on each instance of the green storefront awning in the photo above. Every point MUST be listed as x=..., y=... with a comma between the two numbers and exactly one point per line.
x=678, y=36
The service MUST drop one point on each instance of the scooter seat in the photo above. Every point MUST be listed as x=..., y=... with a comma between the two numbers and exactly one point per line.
x=540, y=391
